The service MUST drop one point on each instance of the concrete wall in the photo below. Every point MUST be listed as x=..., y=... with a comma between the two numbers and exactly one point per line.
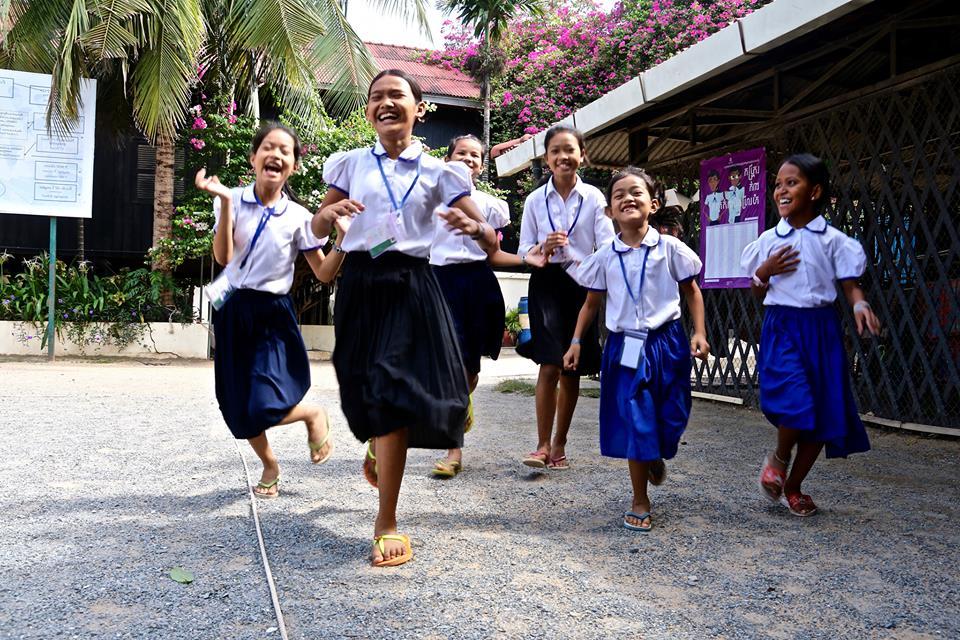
x=185, y=341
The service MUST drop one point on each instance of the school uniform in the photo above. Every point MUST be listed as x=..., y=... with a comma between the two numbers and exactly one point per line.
x=554, y=297
x=802, y=365
x=260, y=363
x=735, y=197
x=714, y=202
x=643, y=409
x=469, y=285
x=396, y=357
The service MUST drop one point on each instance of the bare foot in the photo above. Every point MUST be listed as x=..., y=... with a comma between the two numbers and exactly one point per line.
x=318, y=432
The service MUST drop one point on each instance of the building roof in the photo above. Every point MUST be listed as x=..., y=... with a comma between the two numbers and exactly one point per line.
x=445, y=86
x=757, y=33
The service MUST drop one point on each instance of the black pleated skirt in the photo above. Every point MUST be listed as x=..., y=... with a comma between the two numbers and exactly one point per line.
x=476, y=304
x=396, y=355
x=260, y=363
x=554, y=303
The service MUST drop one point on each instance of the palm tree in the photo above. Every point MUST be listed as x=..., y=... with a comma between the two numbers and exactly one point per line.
x=490, y=19
x=147, y=56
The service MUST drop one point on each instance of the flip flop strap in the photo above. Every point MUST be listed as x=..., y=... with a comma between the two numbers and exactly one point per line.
x=638, y=516
x=389, y=536
x=268, y=485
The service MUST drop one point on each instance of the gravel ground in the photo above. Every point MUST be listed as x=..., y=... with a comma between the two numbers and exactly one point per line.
x=118, y=471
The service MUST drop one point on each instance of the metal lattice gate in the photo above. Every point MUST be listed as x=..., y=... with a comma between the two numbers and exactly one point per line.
x=895, y=174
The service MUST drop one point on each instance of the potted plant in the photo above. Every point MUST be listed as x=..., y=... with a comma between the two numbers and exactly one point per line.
x=511, y=327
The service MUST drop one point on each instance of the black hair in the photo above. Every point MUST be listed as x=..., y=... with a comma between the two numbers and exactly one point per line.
x=653, y=187
x=467, y=136
x=713, y=173
x=736, y=168
x=565, y=128
x=671, y=216
x=816, y=172
x=265, y=129
x=403, y=75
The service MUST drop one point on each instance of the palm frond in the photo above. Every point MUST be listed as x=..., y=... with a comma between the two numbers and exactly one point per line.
x=30, y=44
x=111, y=37
x=166, y=68
x=345, y=62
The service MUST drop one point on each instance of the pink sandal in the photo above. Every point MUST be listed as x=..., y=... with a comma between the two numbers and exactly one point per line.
x=771, y=480
x=537, y=460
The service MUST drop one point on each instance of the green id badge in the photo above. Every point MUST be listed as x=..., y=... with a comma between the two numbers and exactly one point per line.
x=386, y=234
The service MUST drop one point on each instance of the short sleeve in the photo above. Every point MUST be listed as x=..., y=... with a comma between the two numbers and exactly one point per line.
x=751, y=259
x=498, y=213
x=454, y=182
x=592, y=272
x=849, y=258
x=683, y=263
x=336, y=172
x=305, y=238
x=528, y=227
x=603, y=233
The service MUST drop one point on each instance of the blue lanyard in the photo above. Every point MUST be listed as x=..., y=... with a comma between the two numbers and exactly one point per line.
x=386, y=183
x=267, y=212
x=546, y=202
x=638, y=299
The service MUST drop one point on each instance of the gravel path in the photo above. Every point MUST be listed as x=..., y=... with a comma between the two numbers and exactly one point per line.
x=116, y=472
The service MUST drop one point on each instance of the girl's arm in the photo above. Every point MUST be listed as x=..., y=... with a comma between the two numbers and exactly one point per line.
x=862, y=312
x=326, y=267
x=533, y=258
x=335, y=205
x=783, y=260
x=465, y=215
x=587, y=313
x=699, y=346
x=223, y=237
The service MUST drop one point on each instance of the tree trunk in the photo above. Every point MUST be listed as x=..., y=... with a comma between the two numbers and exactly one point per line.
x=163, y=203
x=486, y=124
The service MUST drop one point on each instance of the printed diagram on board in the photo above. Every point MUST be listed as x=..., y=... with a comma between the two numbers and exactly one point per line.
x=43, y=172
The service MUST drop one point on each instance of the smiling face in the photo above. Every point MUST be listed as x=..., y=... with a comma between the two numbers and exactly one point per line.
x=630, y=202
x=794, y=194
x=564, y=155
x=275, y=159
x=469, y=152
x=392, y=107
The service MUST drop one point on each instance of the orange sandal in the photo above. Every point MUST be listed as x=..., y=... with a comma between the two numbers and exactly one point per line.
x=403, y=558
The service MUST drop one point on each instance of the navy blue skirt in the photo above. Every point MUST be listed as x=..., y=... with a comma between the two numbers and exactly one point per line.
x=554, y=303
x=260, y=363
x=804, y=379
x=476, y=303
x=396, y=356
x=644, y=411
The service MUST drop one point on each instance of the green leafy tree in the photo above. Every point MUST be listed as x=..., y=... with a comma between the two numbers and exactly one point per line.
x=151, y=56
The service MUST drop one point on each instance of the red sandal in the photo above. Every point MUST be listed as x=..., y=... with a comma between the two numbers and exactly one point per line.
x=771, y=480
x=799, y=504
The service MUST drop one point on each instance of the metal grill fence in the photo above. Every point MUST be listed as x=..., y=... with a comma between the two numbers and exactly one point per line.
x=895, y=175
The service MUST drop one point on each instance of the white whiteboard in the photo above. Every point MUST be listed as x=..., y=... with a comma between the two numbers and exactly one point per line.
x=44, y=173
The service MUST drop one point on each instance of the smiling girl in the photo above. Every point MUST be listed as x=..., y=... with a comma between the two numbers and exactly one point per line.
x=565, y=216
x=804, y=379
x=260, y=363
x=645, y=381
x=401, y=375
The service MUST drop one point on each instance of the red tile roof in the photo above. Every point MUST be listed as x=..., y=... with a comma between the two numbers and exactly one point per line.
x=433, y=79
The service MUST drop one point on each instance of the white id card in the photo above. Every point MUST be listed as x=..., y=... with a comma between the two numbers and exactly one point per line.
x=219, y=291
x=634, y=343
x=388, y=232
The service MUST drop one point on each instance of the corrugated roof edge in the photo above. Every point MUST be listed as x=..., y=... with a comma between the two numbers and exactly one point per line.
x=766, y=28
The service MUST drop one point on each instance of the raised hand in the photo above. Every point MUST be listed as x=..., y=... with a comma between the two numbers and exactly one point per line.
x=554, y=241
x=211, y=185
x=784, y=260
x=342, y=224
x=457, y=220
x=535, y=257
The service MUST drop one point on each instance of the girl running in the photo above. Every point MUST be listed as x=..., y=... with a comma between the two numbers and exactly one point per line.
x=260, y=364
x=645, y=381
x=804, y=380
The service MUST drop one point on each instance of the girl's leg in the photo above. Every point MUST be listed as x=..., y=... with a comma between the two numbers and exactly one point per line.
x=271, y=470
x=456, y=455
x=546, y=405
x=391, y=460
x=566, y=404
x=639, y=471
x=317, y=427
x=807, y=453
x=786, y=439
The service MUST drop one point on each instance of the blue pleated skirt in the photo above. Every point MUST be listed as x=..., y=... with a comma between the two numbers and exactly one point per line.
x=260, y=363
x=644, y=411
x=805, y=381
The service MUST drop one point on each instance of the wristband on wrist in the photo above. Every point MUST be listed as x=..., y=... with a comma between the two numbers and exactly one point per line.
x=574, y=341
x=861, y=305
x=757, y=282
x=337, y=248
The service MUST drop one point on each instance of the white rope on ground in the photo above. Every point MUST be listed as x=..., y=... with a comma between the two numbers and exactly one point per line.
x=263, y=549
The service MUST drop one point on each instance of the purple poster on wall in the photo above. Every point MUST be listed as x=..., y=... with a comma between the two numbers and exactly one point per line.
x=733, y=191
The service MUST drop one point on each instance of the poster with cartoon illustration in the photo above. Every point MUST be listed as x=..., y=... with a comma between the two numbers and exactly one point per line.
x=733, y=191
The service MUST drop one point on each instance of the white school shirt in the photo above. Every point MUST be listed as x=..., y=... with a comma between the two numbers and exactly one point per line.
x=670, y=261
x=450, y=247
x=735, y=198
x=714, y=203
x=356, y=174
x=826, y=255
x=287, y=231
x=593, y=228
